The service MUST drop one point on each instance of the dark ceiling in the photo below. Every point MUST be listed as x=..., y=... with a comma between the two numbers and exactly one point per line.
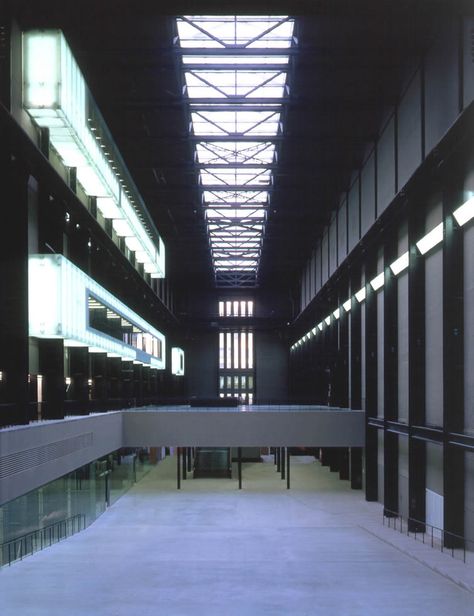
x=350, y=62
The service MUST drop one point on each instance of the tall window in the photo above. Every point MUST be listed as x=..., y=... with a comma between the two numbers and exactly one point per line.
x=236, y=308
x=236, y=354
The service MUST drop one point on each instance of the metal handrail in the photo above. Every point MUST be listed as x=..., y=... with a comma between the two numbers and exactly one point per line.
x=418, y=527
x=29, y=543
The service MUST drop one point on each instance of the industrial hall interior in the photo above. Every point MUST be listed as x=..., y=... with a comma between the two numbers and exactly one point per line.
x=237, y=308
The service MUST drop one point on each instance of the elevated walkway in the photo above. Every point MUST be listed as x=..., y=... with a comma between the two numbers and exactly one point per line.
x=38, y=453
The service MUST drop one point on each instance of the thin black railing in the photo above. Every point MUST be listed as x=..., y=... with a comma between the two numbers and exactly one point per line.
x=438, y=538
x=25, y=545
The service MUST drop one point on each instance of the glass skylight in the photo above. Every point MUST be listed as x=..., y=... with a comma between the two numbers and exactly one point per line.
x=235, y=71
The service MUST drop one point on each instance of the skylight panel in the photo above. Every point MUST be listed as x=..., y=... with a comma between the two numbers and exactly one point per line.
x=231, y=83
x=235, y=213
x=237, y=176
x=235, y=60
x=227, y=196
x=235, y=70
x=235, y=152
x=235, y=123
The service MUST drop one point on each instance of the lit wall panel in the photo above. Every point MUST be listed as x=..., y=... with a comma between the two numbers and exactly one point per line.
x=63, y=311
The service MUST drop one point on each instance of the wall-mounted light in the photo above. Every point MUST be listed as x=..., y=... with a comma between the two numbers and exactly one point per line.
x=320, y=326
x=465, y=212
x=347, y=305
x=328, y=320
x=177, y=361
x=431, y=239
x=89, y=382
x=1, y=376
x=378, y=281
x=68, y=380
x=315, y=331
x=400, y=264
x=360, y=295
x=337, y=313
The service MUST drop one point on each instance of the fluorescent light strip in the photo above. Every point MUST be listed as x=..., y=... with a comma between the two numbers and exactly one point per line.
x=320, y=326
x=328, y=320
x=465, y=212
x=400, y=264
x=378, y=282
x=347, y=305
x=337, y=313
x=360, y=295
x=431, y=239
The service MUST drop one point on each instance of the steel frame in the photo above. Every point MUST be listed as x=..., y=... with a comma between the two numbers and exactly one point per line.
x=238, y=161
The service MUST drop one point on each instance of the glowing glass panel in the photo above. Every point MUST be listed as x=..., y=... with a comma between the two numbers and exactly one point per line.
x=431, y=239
x=177, y=361
x=237, y=97
x=63, y=312
x=56, y=96
x=465, y=212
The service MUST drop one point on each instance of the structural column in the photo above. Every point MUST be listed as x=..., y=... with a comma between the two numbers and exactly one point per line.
x=51, y=361
x=14, y=354
x=79, y=371
x=453, y=369
x=390, y=376
x=416, y=371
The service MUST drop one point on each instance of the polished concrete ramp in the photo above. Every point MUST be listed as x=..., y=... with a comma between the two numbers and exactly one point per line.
x=210, y=549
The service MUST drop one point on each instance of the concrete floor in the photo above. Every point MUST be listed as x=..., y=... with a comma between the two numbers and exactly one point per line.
x=210, y=549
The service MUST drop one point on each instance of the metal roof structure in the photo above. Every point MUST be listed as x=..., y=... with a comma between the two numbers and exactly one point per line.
x=242, y=133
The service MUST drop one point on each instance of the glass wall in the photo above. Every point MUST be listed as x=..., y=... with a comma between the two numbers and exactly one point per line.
x=86, y=492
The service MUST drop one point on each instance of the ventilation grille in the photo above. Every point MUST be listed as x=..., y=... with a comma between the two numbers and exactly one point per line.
x=24, y=460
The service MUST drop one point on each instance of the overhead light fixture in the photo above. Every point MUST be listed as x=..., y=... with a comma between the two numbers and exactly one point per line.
x=465, y=212
x=360, y=295
x=328, y=320
x=400, y=264
x=347, y=305
x=431, y=239
x=378, y=281
x=56, y=96
x=337, y=313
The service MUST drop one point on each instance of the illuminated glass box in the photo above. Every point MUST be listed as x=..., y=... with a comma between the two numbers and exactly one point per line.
x=65, y=303
x=56, y=96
